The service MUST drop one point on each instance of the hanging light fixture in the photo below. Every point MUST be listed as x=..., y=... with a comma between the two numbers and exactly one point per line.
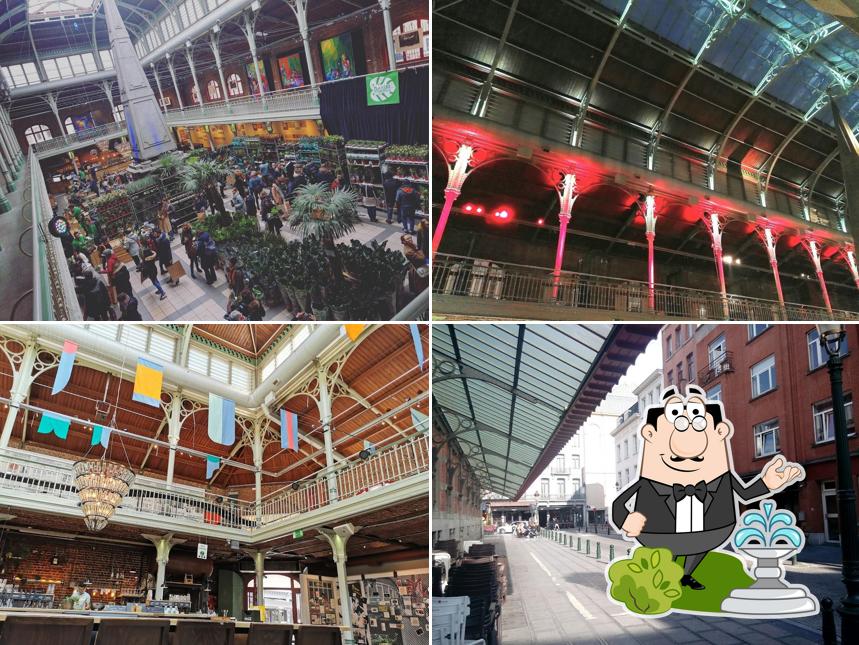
x=101, y=485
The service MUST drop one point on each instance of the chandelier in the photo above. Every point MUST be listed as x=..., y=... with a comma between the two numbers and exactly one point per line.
x=101, y=486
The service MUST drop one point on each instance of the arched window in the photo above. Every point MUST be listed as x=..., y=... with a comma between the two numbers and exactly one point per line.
x=234, y=85
x=70, y=127
x=119, y=112
x=38, y=132
x=282, y=593
x=214, y=90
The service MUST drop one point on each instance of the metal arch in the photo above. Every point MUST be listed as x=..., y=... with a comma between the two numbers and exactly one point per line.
x=727, y=21
x=796, y=53
x=812, y=181
x=576, y=135
x=482, y=426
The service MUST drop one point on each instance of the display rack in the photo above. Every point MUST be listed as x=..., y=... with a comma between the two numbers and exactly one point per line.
x=26, y=599
x=364, y=164
x=411, y=162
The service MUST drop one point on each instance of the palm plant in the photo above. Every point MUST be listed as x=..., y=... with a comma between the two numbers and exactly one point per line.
x=170, y=164
x=322, y=213
x=203, y=177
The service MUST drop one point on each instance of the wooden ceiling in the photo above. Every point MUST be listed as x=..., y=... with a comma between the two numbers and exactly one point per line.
x=250, y=340
x=382, y=368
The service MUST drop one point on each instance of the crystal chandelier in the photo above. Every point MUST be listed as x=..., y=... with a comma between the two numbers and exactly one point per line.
x=101, y=486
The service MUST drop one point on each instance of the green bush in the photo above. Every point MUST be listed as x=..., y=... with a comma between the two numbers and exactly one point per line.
x=648, y=582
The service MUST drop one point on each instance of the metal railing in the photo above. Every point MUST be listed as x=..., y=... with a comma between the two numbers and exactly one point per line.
x=79, y=139
x=483, y=279
x=718, y=366
x=39, y=474
x=283, y=102
x=355, y=478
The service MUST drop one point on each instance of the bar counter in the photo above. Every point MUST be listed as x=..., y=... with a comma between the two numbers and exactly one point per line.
x=303, y=634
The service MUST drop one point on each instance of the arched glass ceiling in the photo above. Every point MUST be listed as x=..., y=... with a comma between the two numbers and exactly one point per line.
x=47, y=9
x=769, y=37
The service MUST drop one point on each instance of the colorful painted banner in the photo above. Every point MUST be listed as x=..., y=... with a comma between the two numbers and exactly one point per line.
x=212, y=464
x=64, y=371
x=222, y=420
x=288, y=430
x=49, y=424
x=147, y=383
x=100, y=435
x=419, y=347
x=353, y=331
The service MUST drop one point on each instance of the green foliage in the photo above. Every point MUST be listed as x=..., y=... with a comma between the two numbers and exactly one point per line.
x=201, y=175
x=319, y=212
x=721, y=572
x=407, y=152
x=365, y=143
x=170, y=165
x=648, y=582
x=106, y=200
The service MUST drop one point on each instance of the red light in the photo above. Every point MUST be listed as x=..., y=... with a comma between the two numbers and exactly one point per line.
x=479, y=210
x=541, y=221
x=502, y=215
x=468, y=208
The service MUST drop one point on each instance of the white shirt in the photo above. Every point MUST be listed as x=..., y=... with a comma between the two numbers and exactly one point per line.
x=83, y=601
x=689, y=515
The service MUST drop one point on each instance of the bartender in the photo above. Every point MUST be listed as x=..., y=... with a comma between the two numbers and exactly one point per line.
x=81, y=598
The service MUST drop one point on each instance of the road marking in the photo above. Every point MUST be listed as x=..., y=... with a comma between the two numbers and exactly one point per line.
x=573, y=600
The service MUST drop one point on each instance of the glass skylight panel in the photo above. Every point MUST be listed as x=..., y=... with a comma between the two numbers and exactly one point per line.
x=105, y=331
x=89, y=63
x=219, y=368
x=46, y=9
x=162, y=346
x=198, y=360
x=65, y=67
x=51, y=70
x=106, y=60
x=134, y=337
x=241, y=377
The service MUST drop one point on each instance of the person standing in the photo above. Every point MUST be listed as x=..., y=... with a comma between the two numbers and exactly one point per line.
x=190, y=244
x=131, y=244
x=81, y=600
x=407, y=202
x=164, y=216
x=391, y=185
x=165, y=253
x=207, y=250
x=148, y=271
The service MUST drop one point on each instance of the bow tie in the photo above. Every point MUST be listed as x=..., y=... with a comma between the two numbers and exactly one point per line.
x=699, y=490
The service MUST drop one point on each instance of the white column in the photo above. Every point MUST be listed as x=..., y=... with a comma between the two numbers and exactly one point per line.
x=337, y=538
x=249, y=29
x=107, y=86
x=257, y=448
x=174, y=427
x=158, y=84
x=163, y=544
x=214, y=44
x=21, y=381
x=389, y=33
x=299, y=7
x=258, y=556
x=51, y=99
x=325, y=419
x=175, y=84
x=189, y=54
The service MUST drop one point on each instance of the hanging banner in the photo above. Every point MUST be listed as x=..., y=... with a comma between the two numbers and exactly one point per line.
x=419, y=346
x=353, y=331
x=212, y=464
x=50, y=424
x=420, y=421
x=64, y=371
x=222, y=420
x=147, y=383
x=202, y=550
x=100, y=435
x=288, y=430
x=383, y=88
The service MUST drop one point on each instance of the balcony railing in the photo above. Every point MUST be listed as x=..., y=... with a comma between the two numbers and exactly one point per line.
x=486, y=280
x=79, y=139
x=301, y=103
x=149, y=499
x=560, y=470
x=719, y=365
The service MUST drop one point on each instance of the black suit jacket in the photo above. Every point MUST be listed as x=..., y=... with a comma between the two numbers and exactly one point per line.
x=656, y=502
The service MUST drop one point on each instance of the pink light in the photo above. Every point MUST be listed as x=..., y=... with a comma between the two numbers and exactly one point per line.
x=479, y=210
x=540, y=221
x=468, y=208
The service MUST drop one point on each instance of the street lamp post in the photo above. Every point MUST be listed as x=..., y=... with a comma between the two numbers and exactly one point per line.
x=831, y=338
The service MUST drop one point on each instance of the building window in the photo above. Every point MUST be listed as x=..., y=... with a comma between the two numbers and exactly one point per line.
x=715, y=393
x=670, y=380
x=625, y=448
x=817, y=356
x=69, y=126
x=824, y=419
x=214, y=90
x=763, y=376
x=680, y=380
x=669, y=344
x=574, y=462
x=635, y=445
x=544, y=488
x=690, y=367
x=562, y=488
x=715, y=351
x=559, y=467
x=234, y=85
x=119, y=112
x=37, y=133
x=766, y=438
x=576, y=486
x=756, y=329
x=618, y=451
x=626, y=472
x=281, y=593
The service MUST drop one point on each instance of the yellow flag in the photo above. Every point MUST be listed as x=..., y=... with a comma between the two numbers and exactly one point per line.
x=353, y=331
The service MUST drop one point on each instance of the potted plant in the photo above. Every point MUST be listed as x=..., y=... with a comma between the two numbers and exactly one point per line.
x=317, y=211
x=337, y=295
x=203, y=177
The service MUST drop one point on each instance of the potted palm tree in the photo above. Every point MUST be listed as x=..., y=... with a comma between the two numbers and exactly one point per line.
x=203, y=177
x=317, y=211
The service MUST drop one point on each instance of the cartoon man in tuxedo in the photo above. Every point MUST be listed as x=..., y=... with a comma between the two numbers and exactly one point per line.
x=686, y=494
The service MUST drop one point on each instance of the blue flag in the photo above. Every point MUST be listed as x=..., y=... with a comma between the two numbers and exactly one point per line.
x=212, y=464
x=100, y=435
x=419, y=347
x=222, y=420
x=50, y=424
x=64, y=371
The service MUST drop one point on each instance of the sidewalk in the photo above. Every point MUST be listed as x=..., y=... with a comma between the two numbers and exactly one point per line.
x=558, y=596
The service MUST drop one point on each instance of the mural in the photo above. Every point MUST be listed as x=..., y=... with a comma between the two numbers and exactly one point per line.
x=291, y=71
x=252, y=78
x=338, y=57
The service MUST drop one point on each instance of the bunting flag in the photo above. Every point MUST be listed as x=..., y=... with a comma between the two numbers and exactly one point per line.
x=49, y=424
x=288, y=430
x=147, y=383
x=222, y=420
x=212, y=464
x=420, y=421
x=64, y=371
x=100, y=435
x=419, y=347
x=353, y=331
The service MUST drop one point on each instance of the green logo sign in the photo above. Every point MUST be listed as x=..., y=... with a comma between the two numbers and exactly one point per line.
x=297, y=534
x=383, y=89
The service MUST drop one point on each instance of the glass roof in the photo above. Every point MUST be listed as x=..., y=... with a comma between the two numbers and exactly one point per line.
x=528, y=377
x=43, y=9
x=762, y=40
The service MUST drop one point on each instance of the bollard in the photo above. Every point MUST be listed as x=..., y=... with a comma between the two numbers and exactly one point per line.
x=578, y=544
x=588, y=547
x=565, y=539
x=610, y=552
x=828, y=617
x=598, y=550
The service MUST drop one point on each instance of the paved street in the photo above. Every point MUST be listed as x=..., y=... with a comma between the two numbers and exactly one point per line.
x=557, y=595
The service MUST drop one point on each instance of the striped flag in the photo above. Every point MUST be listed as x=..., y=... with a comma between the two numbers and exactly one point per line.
x=50, y=424
x=212, y=464
x=288, y=430
x=64, y=371
x=147, y=383
x=419, y=347
x=100, y=435
x=222, y=420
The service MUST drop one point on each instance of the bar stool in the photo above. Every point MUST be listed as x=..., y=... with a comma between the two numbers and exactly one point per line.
x=203, y=632
x=269, y=634
x=141, y=631
x=35, y=630
x=312, y=635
